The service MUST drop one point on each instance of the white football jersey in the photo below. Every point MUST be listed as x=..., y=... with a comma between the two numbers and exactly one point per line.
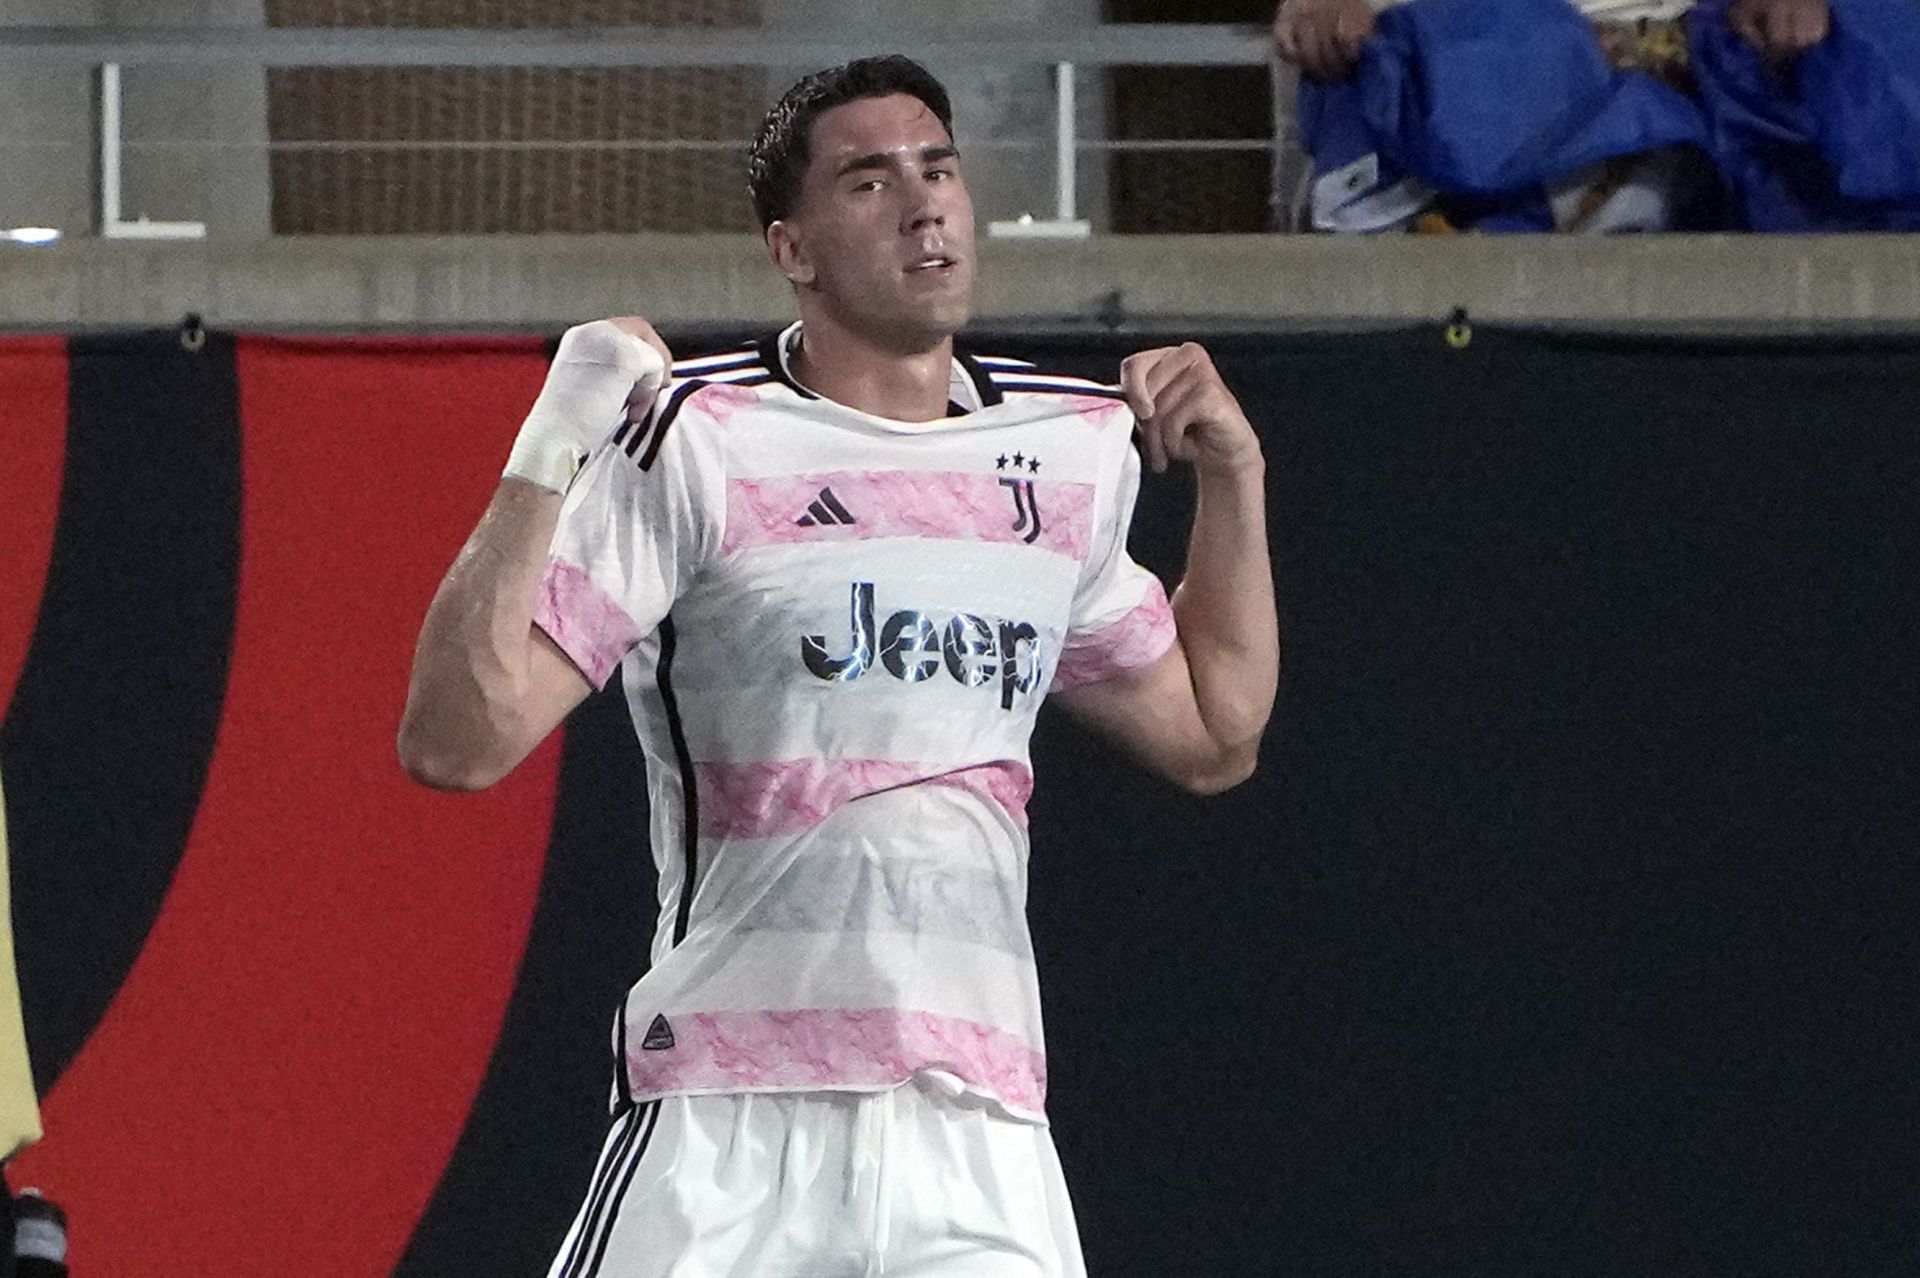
x=834, y=632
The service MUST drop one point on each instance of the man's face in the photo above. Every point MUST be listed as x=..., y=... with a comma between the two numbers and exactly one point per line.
x=882, y=235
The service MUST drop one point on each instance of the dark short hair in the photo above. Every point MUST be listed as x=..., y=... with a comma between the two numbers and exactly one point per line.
x=777, y=161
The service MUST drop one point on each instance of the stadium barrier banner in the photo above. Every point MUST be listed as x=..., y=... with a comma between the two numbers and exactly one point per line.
x=1559, y=921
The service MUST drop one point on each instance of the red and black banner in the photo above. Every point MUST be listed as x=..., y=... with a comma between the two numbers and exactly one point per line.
x=1564, y=919
x=264, y=973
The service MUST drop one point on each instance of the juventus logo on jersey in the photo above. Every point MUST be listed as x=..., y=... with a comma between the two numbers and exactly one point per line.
x=1026, y=510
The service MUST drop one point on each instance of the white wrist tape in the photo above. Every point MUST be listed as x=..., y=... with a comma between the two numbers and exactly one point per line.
x=594, y=372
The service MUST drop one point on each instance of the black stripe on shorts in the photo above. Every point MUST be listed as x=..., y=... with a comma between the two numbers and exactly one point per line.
x=626, y=1126
x=652, y=1120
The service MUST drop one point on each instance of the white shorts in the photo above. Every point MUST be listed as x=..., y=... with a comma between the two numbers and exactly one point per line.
x=910, y=1183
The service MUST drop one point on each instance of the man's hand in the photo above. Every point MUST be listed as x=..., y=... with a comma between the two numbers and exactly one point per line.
x=600, y=371
x=1196, y=715
x=1781, y=29
x=1323, y=36
x=1186, y=413
x=641, y=395
x=488, y=685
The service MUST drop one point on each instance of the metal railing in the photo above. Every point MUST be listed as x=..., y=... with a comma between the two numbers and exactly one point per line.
x=1114, y=44
x=109, y=49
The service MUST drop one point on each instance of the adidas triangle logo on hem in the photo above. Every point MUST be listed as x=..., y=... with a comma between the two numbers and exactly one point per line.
x=659, y=1036
x=825, y=510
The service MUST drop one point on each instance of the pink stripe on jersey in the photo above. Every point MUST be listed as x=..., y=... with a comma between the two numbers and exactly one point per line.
x=721, y=400
x=1134, y=642
x=829, y=1048
x=583, y=620
x=765, y=800
x=1099, y=410
x=939, y=505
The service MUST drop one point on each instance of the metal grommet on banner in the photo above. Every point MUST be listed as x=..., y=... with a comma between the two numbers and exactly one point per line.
x=1459, y=329
x=193, y=334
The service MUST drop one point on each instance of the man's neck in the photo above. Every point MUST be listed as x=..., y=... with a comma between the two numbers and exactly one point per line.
x=838, y=364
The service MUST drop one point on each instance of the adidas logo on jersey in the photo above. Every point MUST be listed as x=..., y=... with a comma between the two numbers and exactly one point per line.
x=975, y=651
x=659, y=1036
x=825, y=510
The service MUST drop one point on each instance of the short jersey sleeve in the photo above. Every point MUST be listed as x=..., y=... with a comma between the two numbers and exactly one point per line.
x=1121, y=621
x=636, y=526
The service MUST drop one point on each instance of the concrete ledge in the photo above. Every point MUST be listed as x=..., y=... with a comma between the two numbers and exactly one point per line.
x=1747, y=282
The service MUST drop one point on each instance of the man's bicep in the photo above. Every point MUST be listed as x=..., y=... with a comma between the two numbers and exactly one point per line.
x=555, y=686
x=1150, y=713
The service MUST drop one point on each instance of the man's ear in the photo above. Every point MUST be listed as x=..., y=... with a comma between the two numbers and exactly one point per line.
x=789, y=254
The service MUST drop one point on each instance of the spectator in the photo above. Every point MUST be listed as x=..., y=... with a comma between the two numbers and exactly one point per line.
x=1457, y=117
x=1324, y=37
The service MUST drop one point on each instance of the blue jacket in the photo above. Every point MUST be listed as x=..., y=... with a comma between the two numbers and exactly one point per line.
x=1492, y=100
x=1829, y=143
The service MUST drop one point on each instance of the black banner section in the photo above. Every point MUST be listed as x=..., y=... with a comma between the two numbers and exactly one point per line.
x=1558, y=932
x=520, y=1170
x=107, y=743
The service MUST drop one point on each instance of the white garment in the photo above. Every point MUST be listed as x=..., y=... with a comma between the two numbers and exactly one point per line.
x=913, y=1182
x=1601, y=10
x=865, y=617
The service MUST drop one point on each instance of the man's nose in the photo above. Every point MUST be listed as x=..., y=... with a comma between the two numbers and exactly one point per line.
x=924, y=209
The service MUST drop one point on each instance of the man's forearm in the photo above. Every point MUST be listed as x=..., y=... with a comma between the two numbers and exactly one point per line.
x=470, y=669
x=1224, y=607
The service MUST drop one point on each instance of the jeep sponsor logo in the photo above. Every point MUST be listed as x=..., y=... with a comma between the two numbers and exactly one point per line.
x=913, y=646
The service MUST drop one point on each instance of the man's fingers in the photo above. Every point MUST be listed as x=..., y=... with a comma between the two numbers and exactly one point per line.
x=1332, y=46
x=1352, y=30
x=1746, y=23
x=1176, y=406
x=1286, y=33
x=645, y=332
x=1164, y=386
x=1179, y=364
x=1133, y=383
x=1316, y=51
x=1151, y=448
x=1180, y=411
x=1807, y=26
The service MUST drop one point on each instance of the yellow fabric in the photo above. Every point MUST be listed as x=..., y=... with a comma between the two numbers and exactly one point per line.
x=19, y=1110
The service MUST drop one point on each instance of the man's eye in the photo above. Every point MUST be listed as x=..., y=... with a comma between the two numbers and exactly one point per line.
x=871, y=184
x=939, y=173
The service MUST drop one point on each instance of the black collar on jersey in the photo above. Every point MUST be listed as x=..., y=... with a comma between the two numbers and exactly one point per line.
x=983, y=385
x=775, y=360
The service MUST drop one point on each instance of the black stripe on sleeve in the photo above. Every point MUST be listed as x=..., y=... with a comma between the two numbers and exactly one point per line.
x=716, y=363
x=641, y=431
x=683, y=759
x=677, y=400
x=1040, y=388
x=672, y=410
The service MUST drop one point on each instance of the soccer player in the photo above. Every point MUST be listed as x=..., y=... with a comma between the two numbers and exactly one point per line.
x=839, y=571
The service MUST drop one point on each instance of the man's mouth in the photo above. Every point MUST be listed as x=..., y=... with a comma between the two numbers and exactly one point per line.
x=933, y=262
